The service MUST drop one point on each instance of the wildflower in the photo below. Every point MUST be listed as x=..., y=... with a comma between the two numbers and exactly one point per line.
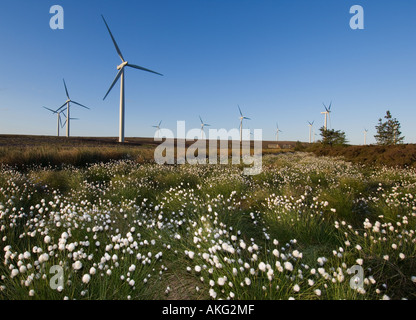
x=288, y=266
x=318, y=292
x=262, y=266
x=247, y=281
x=221, y=281
x=77, y=265
x=86, y=278
x=212, y=293
x=198, y=269
x=359, y=262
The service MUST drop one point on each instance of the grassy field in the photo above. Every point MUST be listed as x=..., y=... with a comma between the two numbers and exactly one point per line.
x=129, y=229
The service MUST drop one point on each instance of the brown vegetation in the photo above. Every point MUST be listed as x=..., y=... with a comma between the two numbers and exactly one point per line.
x=402, y=155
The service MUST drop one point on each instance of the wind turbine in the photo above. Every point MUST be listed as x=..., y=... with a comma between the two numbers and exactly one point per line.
x=119, y=75
x=58, y=116
x=202, y=127
x=158, y=128
x=365, y=136
x=66, y=121
x=277, y=132
x=241, y=123
x=67, y=104
x=310, y=130
x=327, y=114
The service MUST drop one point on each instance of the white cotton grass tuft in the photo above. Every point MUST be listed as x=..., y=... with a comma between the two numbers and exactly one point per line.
x=77, y=265
x=86, y=278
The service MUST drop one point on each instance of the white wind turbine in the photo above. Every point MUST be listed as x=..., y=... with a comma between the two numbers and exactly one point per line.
x=119, y=75
x=327, y=114
x=59, y=118
x=158, y=128
x=67, y=104
x=66, y=119
x=310, y=130
x=277, y=131
x=365, y=136
x=202, y=127
x=241, y=123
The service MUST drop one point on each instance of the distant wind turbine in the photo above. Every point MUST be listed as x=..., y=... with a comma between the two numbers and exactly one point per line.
x=365, y=136
x=202, y=127
x=66, y=120
x=158, y=128
x=241, y=123
x=310, y=130
x=119, y=75
x=67, y=104
x=327, y=114
x=277, y=131
x=58, y=118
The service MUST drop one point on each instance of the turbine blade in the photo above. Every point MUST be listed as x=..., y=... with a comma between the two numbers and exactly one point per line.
x=160, y=123
x=66, y=90
x=246, y=118
x=51, y=110
x=64, y=105
x=114, y=40
x=80, y=105
x=202, y=122
x=144, y=69
x=114, y=82
x=240, y=111
x=60, y=121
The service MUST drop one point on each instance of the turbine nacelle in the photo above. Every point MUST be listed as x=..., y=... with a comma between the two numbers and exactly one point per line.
x=121, y=66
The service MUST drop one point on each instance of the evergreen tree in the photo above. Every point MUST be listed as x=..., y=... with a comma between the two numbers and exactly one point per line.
x=388, y=132
x=332, y=137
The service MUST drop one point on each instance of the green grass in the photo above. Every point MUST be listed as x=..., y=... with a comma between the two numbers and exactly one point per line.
x=186, y=228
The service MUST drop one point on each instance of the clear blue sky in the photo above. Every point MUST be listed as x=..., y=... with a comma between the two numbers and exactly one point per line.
x=278, y=59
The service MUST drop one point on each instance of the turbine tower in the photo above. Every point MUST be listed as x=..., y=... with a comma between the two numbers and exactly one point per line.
x=327, y=114
x=119, y=75
x=310, y=130
x=59, y=118
x=277, y=131
x=365, y=136
x=241, y=123
x=158, y=128
x=67, y=104
x=202, y=127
